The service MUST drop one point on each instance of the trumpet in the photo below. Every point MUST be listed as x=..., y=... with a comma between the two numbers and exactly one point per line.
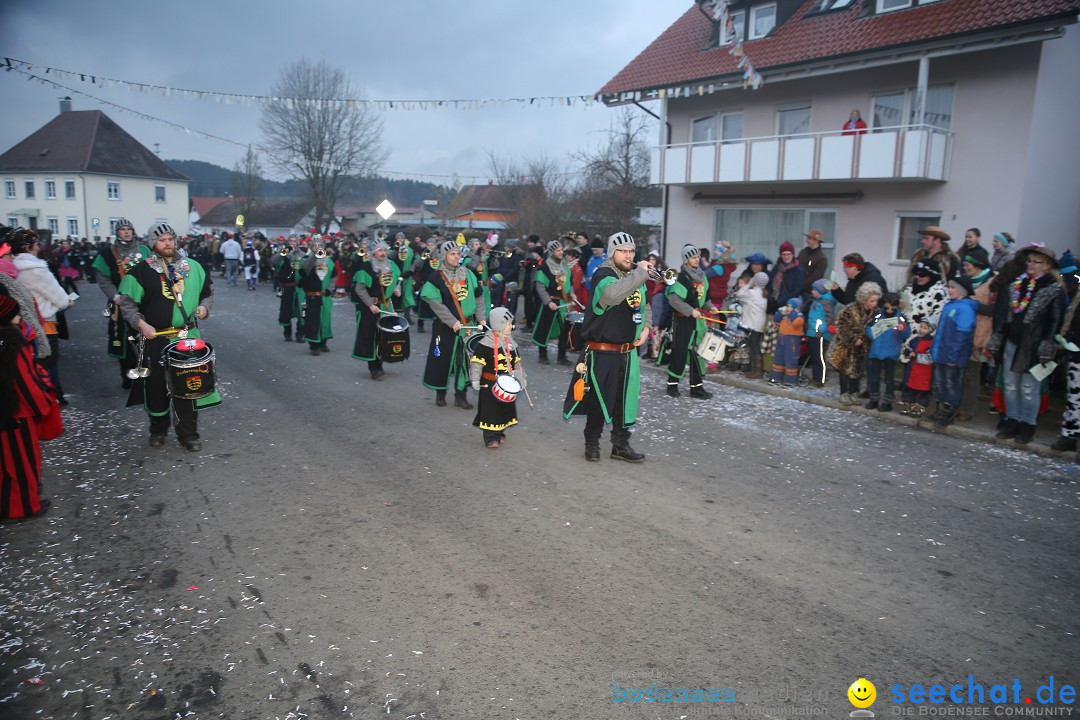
x=320, y=253
x=400, y=241
x=284, y=251
x=425, y=255
x=362, y=252
x=509, y=252
x=668, y=277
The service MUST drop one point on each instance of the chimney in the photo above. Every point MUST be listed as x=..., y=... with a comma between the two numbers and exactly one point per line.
x=65, y=104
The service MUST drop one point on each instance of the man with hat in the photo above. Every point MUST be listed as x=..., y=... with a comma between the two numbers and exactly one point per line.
x=376, y=284
x=688, y=297
x=454, y=297
x=111, y=264
x=163, y=297
x=287, y=276
x=314, y=278
x=594, y=261
x=1027, y=315
x=606, y=383
x=812, y=260
x=425, y=265
x=504, y=282
x=475, y=258
x=934, y=245
x=552, y=282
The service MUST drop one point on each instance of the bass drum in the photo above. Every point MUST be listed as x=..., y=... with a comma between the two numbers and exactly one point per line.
x=392, y=332
x=471, y=343
x=189, y=374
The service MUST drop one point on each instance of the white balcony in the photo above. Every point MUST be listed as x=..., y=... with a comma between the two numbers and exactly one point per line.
x=906, y=152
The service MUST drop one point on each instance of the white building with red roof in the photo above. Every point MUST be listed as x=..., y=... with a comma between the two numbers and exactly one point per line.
x=969, y=107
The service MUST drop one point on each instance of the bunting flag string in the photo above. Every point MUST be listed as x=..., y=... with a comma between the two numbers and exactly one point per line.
x=720, y=13
x=243, y=99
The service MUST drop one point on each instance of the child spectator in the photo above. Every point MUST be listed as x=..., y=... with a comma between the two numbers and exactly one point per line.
x=849, y=348
x=819, y=327
x=751, y=295
x=887, y=332
x=919, y=369
x=952, y=348
x=719, y=270
x=791, y=324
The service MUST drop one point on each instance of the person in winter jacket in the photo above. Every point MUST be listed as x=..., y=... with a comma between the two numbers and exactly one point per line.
x=820, y=317
x=1004, y=250
x=1027, y=315
x=718, y=271
x=887, y=332
x=850, y=347
x=751, y=295
x=858, y=271
x=919, y=369
x=952, y=348
x=792, y=324
x=926, y=294
x=980, y=273
x=785, y=278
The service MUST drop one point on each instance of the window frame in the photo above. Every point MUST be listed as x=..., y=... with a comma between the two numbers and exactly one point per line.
x=739, y=27
x=694, y=124
x=879, y=5
x=161, y=187
x=29, y=189
x=54, y=224
x=828, y=245
x=789, y=107
x=723, y=118
x=73, y=227
x=932, y=216
x=907, y=109
x=50, y=189
x=10, y=189
x=750, y=35
x=109, y=185
x=69, y=184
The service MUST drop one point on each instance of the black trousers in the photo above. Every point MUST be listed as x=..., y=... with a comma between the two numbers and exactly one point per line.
x=187, y=420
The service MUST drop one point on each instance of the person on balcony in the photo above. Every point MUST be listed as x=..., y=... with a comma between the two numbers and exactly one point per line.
x=855, y=125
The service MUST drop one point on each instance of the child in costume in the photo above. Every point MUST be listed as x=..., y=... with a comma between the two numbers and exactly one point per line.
x=495, y=354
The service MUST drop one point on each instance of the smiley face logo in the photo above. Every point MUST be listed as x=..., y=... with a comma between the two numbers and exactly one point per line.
x=862, y=693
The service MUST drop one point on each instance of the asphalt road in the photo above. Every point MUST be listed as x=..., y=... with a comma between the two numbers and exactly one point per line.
x=344, y=548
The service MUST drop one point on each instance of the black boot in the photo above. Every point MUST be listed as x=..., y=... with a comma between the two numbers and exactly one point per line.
x=420, y=326
x=1009, y=429
x=623, y=451
x=543, y=359
x=1025, y=433
x=440, y=398
x=1065, y=444
x=945, y=415
x=699, y=391
x=462, y=402
x=562, y=359
x=673, y=388
x=592, y=451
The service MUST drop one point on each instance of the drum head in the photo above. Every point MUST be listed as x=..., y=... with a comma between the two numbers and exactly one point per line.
x=393, y=323
x=575, y=317
x=471, y=342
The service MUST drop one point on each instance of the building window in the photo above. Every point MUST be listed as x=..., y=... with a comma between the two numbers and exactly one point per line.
x=12, y=221
x=113, y=190
x=891, y=109
x=703, y=129
x=738, y=26
x=889, y=5
x=793, y=120
x=69, y=189
x=159, y=193
x=731, y=126
x=54, y=226
x=29, y=186
x=73, y=227
x=908, y=232
x=9, y=189
x=760, y=229
x=762, y=20
x=50, y=189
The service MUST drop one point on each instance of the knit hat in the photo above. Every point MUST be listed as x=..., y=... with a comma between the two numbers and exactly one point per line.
x=596, y=242
x=795, y=303
x=787, y=247
x=157, y=230
x=499, y=318
x=1067, y=262
x=448, y=246
x=554, y=245
x=689, y=251
x=820, y=285
x=1005, y=239
x=620, y=240
x=8, y=309
x=759, y=280
x=977, y=261
x=757, y=259
x=962, y=282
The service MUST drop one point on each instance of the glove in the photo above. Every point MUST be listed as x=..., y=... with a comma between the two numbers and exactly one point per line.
x=476, y=385
x=993, y=344
x=831, y=329
x=1047, y=351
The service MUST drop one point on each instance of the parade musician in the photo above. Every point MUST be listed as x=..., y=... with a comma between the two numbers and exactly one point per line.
x=376, y=284
x=688, y=297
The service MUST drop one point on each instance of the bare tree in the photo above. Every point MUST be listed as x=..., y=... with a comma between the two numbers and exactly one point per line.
x=317, y=131
x=246, y=182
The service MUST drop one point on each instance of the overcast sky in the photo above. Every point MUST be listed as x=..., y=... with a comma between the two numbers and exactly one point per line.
x=392, y=49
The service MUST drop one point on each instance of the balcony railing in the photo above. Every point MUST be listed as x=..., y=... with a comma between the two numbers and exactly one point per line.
x=903, y=152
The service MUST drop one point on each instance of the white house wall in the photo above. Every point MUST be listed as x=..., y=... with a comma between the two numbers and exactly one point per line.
x=992, y=122
x=1050, y=205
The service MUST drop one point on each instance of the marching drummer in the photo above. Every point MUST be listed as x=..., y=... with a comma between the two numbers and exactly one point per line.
x=376, y=283
x=688, y=296
x=552, y=282
x=496, y=374
x=162, y=297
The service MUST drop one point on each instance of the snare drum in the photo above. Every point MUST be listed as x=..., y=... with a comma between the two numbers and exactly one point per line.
x=712, y=347
x=505, y=388
x=189, y=374
x=575, y=317
x=392, y=332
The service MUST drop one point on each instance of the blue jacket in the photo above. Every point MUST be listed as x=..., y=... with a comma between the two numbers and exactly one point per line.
x=823, y=309
x=590, y=268
x=956, y=332
x=887, y=346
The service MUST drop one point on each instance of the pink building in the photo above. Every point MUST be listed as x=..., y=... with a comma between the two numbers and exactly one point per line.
x=967, y=105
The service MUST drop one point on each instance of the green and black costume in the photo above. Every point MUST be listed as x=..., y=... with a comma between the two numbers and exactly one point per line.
x=315, y=277
x=689, y=292
x=453, y=296
x=110, y=266
x=374, y=284
x=552, y=283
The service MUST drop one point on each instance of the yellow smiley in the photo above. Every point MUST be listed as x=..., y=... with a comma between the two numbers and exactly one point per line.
x=862, y=693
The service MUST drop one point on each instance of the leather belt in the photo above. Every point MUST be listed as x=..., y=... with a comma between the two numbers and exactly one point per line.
x=288, y=284
x=610, y=347
x=489, y=376
x=320, y=293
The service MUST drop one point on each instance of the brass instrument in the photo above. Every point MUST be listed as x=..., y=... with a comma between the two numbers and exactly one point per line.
x=400, y=241
x=362, y=252
x=425, y=255
x=509, y=252
x=668, y=277
x=284, y=251
x=320, y=253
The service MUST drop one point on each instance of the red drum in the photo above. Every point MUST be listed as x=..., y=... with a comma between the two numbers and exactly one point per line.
x=505, y=388
x=189, y=374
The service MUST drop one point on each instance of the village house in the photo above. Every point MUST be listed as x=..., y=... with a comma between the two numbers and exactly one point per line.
x=967, y=105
